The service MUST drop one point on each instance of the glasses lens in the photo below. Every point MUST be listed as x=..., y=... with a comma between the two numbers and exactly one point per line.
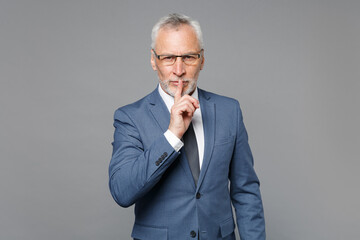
x=190, y=59
x=167, y=60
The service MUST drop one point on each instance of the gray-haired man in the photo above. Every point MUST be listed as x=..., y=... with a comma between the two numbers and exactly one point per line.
x=176, y=150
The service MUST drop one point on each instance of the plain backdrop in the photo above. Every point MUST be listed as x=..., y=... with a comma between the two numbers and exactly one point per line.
x=65, y=66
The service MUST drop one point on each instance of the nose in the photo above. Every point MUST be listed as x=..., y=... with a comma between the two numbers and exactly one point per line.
x=178, y=67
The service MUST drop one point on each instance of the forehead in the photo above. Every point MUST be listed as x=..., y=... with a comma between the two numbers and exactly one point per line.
x=177, y=40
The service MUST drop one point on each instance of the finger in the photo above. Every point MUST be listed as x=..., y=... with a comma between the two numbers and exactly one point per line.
x=190, y=108
x=193, y=101
x=178, y=91
x=185, y=107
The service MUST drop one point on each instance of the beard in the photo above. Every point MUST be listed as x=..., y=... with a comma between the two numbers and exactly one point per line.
x=191, y=85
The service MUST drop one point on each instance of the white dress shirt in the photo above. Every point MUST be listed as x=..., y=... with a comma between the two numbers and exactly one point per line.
x=174, y=141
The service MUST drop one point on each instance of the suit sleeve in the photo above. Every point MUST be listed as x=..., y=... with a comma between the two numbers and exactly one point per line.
x=134, y=170
x=244, y=187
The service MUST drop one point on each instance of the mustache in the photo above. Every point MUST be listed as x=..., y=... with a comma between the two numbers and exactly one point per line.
x=177, y=79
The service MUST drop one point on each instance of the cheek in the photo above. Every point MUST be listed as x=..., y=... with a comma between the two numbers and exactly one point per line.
x=195, y=72
x=163, y=73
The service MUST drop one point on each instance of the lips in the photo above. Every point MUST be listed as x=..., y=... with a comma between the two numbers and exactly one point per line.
x=176, y=82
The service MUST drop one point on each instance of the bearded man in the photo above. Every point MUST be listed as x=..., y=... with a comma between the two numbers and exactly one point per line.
x=176, y=150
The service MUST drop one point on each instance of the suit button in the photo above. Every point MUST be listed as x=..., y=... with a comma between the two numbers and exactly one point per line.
x=193, y=234
x=157, y=163
x=198, y=195
x=165, y=154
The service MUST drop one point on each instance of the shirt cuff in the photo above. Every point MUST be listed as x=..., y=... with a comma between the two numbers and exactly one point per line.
x=173, y=140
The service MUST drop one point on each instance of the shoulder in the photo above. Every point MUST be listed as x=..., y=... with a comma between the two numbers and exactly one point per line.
x=225, y=106
x=136, y=107
x=219, y=99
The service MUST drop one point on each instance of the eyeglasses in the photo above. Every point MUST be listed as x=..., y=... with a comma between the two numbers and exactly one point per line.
x=188, y=59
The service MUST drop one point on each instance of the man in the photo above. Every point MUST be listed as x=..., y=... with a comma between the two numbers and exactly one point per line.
x=176, y=149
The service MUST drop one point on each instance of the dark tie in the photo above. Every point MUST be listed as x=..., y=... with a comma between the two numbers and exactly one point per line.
x=191, y=150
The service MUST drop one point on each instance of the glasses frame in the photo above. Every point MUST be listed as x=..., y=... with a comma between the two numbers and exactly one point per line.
x=176, y=56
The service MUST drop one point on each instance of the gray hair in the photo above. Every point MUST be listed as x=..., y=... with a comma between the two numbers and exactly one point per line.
x=174, y=20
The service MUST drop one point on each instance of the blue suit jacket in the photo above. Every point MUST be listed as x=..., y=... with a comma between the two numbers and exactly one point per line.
x=147, y=171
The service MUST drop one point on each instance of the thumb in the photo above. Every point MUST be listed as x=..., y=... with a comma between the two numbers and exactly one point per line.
x=178, y=91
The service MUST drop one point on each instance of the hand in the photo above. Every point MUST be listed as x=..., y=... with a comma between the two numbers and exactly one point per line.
x=182, y=111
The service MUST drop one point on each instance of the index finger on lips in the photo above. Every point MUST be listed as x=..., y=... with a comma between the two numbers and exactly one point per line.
x=178, y=91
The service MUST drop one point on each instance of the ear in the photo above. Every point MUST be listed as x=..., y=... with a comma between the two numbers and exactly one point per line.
x=202, y=61
x=152, y=60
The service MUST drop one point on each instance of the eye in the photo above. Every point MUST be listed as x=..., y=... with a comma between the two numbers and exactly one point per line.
x=189, y=57
x=167, y=58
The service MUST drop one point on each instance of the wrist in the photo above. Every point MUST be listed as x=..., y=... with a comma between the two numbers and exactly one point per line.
x=176, y=133
x=173, y=140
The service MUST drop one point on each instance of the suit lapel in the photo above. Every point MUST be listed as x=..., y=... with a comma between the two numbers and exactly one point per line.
x=208, y=118
x=159, y=110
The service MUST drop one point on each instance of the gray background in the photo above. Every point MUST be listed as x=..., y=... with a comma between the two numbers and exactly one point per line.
x=65, y=66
